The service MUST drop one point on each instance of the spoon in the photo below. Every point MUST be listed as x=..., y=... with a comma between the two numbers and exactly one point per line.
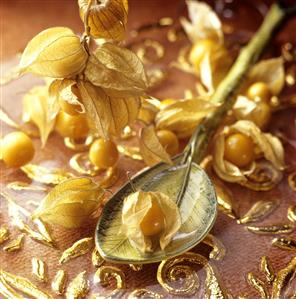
x=185, y=181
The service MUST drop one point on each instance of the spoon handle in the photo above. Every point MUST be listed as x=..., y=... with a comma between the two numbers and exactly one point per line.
x=225, y=92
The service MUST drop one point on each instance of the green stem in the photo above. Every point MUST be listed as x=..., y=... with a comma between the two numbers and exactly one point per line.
x=225, y=93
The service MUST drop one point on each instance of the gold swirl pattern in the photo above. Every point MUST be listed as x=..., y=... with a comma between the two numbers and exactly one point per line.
x=218, y=252
x=103, y=275
x=170, y=271
x=80, y=163
x=258, y=285
x=264, y=177
x=292, y=213
x=292, y=181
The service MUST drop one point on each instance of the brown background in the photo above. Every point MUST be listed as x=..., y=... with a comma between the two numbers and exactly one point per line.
x=20, y=21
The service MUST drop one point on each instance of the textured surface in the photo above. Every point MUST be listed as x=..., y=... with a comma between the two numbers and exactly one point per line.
x=20, y=21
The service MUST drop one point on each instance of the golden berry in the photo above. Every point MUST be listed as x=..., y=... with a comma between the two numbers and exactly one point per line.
x=239, y=149
x=103, y=153
x=17, y=149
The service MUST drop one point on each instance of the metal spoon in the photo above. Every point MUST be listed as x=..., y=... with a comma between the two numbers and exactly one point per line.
x=185, y=181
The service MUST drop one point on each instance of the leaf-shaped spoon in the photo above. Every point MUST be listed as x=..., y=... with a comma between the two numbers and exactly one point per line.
x=185, y=182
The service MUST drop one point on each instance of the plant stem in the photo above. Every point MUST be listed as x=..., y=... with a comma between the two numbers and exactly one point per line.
x=225, y=93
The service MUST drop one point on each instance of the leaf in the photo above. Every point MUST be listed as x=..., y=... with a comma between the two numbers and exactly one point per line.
x=136, y=206
x=205, y=24
x=258, y=211
x=151, y=149
x=79, y=248
x=118, y=70
x=268, y=145
x=106, y=19
x=107, y=115
x=55, y=52
x=183, y=116
x=46, y=175
x=40, y=108
x=271, y=72
x=78, y=287
x=71, y=203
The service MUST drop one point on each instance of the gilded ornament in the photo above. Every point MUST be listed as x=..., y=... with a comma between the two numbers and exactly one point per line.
x=267, y=269
x=58, y=283
x=292, y=180
x=284, y=243
x=18, y=186
x=4, y=234
x=78, y=147
x=272, y=229
x=39, y=269
x=78, y=287
x=79, y=248
x=15, y=244
x=292, y=213
x=80, y=163
x=143, y=293
x=258, y=285
x=96, y=258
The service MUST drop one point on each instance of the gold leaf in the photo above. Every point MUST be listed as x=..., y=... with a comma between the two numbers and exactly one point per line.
x=272, y=229
x=282, y=279
x=71, y=203
x=107, y=115
x=284, y=243
x=292, y=181
x=59, y=282
x=258, y=285
x=15, y=244
x=39, y=269
x=224, y=199
x=4, y=234
x=205, y=24
x=136, y=206
x=268, y=145
x=15, y=211
x=78, y=287
x=106, y=19
x=40, y=108
x=183, y=116
x=267, y=269
x=81, y=163
x=148, y=111
x=77, y=146
x=259, y=211
x=218, y=252
x=7, y=291
x=96, y=258
x=130, y=151
x=292, y=213
x=55, y=52
x=118, y=70
x=151, y=149
x=24, y=285
x=46, y=175
x=143, y=293
x=271, y=72
x=79, y=248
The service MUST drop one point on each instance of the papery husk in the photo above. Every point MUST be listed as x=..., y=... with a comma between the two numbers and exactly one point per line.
x=40, y=108
x=270, y=71
x=268, y=145
x=136, y=206
x=204, y=22
x=106, y=19
x=151, y=149
x=66, y=90
x=148, y=110
x=183, y=116
x=71, y=203
x=213, y=68
x=118, y=70
x=55, y=52
x=107, y=115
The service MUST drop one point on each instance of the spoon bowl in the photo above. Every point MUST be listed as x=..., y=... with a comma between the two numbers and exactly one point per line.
x=198, y=209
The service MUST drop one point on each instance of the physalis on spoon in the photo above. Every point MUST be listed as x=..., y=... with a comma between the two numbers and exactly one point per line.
x=149, y=220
